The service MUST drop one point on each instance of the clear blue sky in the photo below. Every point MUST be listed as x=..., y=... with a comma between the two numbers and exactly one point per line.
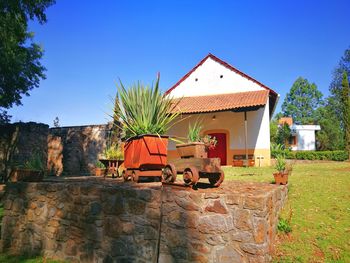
x=90, y=44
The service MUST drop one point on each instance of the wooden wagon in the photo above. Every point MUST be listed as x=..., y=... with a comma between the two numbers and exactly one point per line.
x=193, y=169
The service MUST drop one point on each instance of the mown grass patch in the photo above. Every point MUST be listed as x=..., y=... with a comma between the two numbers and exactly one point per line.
x=319, y=200
x=8, y=258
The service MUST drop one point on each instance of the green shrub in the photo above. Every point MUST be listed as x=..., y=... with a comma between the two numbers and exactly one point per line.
x=284, y=226
x=318, y=155
x=279, y=149
x=113, y=152
x=99, y=165
x=35, y=163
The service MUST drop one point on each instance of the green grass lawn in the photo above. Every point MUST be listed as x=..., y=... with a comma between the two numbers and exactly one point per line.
x=319, y=208
x=23, y=259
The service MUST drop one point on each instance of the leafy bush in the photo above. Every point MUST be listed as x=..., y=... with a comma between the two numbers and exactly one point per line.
x=279, y=149
x=99, y=165
x=113, y=152
x=35, y=163
x=284, y=226
x=318, y=155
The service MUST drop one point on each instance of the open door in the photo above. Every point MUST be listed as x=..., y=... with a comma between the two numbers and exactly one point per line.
x=220, y=150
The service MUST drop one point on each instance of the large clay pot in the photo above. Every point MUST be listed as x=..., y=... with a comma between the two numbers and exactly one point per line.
x=146, y=152
x=26, y=175
x=281, y=178
x=192, y=150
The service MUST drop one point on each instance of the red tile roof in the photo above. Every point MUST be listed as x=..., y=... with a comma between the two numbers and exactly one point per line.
x=222, y=102
x=225, y=65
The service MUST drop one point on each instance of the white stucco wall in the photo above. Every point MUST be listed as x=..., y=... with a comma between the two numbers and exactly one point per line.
x=209, y=81
x=306, y=140
x=258, y=128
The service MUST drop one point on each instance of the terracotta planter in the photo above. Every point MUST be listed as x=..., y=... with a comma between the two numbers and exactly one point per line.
x=26, y=175
x=100, y=172
x=146, y=152
x=192, y=150
x=281, y=178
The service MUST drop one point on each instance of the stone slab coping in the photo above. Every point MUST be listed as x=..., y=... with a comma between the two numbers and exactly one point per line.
x=231, y=187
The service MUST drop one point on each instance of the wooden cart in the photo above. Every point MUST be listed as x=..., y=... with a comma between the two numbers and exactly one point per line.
x=193, y=169
x=112, y=166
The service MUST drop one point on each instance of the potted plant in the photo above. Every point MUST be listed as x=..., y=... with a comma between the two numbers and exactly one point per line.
x=145, y=115
x=197, y=146
x=32, y=171
x=100, y=169
x=281, y=177
x=113, y=157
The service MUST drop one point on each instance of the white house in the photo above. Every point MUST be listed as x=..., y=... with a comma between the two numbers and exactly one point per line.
x=233, y=107
x=303, y=136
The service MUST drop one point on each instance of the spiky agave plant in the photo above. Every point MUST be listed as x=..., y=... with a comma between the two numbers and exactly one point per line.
x=194, y=131
x=144, y=110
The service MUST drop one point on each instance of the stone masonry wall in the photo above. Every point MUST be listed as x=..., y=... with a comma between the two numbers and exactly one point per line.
x=75, y=150
x=98, y=220
x=236, y=223
x=19, y=142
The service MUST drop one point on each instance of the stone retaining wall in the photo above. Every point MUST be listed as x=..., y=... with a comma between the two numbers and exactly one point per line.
x=19, y=142
x=98, y=220
x=74, y=150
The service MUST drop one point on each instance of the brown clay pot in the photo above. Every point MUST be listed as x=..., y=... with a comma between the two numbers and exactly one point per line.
x=146, y=152
x=281, y=178
x=26, y=175
x=192, y=150
x=100, y=171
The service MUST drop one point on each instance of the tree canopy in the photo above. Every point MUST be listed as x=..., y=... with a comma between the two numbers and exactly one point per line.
x=20, y=66
x=301, y=101
x=345, y=99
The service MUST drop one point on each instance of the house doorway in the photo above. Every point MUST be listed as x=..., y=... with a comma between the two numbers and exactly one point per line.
x=220, y=150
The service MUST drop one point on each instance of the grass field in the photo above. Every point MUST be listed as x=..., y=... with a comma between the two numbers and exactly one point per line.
x=319, y=208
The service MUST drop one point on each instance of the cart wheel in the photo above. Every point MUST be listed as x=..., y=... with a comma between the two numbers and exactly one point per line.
x=218, y=179
x=169, y=173
x=135, y=177
x=191, y=175
x=125, y=175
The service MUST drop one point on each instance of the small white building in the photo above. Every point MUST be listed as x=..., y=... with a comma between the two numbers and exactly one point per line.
x=233, y=107
x=303, y=136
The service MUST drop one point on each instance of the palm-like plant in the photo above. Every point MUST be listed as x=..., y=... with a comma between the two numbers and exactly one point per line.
x=144, y=110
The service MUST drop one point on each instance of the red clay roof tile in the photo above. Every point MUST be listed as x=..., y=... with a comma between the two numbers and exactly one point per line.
x=222, y=102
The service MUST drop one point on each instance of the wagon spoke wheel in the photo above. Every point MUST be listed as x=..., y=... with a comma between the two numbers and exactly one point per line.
x=169, y=173
x=191, y=176
x=125, y=175
x=135, y=177
x=218, y=179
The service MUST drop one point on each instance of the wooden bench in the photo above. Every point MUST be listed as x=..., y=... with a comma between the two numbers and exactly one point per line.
x=239, y=160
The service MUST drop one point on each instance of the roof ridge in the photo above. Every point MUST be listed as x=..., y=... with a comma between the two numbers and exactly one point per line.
x=223, y=63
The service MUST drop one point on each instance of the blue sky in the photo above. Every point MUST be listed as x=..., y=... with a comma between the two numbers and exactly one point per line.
x=90, y=44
